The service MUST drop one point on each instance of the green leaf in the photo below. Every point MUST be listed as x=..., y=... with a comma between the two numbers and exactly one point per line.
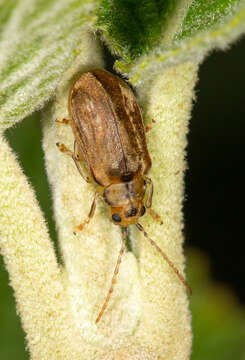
x=39, y=40
x=148, y=35
x=206, y=14
x=134, y=26
x=5, y=12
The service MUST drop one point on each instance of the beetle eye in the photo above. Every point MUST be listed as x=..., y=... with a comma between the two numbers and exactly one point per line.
x=131, y=212
x=142, y=211
x=116, y=217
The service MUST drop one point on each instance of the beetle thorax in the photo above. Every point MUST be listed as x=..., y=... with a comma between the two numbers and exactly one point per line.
x=126, y=201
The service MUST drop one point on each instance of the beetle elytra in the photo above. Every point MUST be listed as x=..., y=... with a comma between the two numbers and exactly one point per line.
x=110, y=141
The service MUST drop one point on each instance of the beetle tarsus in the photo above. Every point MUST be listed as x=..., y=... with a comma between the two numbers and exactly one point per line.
x=149, y=127
x=154, y=215
x=63, y=121
x=150, y=193
x=90, y=215
x=64, y=149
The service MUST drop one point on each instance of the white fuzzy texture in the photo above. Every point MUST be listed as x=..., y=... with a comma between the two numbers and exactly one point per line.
x=148, y=312
x=30, y=260
x=148, y=316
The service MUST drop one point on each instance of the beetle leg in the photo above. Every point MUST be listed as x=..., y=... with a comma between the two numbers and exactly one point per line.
x=63, y=121
x=150, y=194
x=119, y=259
x=64, y=149
x=148, y=127
x=77, y=159
x=148, y=202
x=91, y=213
x=155, y=215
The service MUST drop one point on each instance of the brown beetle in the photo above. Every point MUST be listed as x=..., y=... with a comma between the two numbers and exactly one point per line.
x=110, y=141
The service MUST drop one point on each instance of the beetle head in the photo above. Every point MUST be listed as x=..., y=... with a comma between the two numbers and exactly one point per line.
x=125, y=216
x=126, y=201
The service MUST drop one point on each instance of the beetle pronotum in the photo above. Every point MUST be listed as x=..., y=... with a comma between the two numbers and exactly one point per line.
x=110, y=140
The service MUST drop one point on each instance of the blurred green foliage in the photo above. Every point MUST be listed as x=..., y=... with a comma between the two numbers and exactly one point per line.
x=217, y=318
x=12, y=345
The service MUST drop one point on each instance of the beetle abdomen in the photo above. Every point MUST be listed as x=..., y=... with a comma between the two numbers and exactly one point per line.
x=109, y=128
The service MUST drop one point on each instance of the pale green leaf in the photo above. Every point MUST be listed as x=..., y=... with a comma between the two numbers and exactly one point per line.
x=39, y=40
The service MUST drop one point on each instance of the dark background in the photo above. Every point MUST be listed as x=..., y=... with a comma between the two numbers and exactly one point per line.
x=214, y=208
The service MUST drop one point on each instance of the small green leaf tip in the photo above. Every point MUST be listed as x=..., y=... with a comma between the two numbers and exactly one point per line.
x=134, y=27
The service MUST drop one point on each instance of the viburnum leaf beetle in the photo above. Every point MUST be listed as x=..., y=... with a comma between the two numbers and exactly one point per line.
x=110, y=141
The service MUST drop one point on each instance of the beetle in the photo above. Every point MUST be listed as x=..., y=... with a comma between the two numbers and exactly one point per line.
x=110, y=141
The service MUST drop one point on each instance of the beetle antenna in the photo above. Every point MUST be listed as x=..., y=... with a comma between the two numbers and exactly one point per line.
x=113, y=281
x=170, y=263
